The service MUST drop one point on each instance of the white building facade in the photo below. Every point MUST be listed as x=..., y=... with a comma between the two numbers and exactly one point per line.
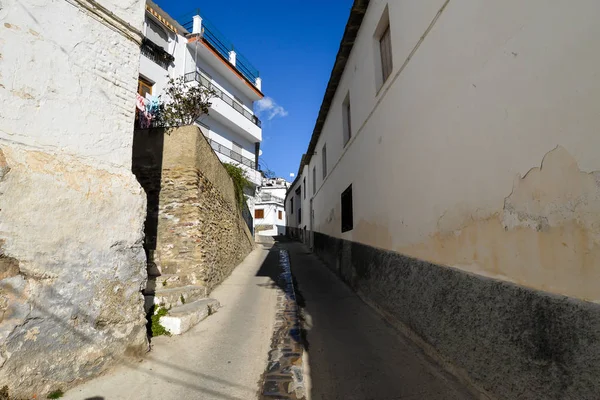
x=269, y=208
x=454, y=155
x=196, y=51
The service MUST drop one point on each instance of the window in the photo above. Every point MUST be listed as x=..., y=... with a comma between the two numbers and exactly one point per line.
x=259, y=213
x=347, y=119
x=304, y=186
x=157, y=34
x=383, y=50
x=299, y=216
x=324, y=157
x=280, y=214
x=314, y=179
x=291, y=206
x=347, y=216
x=144, y=87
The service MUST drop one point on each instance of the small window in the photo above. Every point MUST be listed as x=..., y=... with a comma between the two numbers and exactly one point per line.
x=385, y=49
x=314, y=183
x=144, y=87
x=299, y=216
x=347, y=119
x=291, y=206
x=324, y=157
x=347, y=216
x=157, y=34
x=304, y=186
x=280, y=214
x=259, y=213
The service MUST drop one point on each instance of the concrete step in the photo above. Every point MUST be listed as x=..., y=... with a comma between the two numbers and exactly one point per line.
x=163, y=281
x=152, y=269
x=180, y=319
x=173, y=297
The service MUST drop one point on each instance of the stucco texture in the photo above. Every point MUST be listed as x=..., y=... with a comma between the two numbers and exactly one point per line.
x=194, y=227
x=72, y=265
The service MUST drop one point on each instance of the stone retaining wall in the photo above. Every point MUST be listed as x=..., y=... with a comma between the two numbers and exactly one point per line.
x=194, y=227
x=508, y=341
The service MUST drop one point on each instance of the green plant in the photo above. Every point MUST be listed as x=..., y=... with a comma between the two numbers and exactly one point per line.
x=184, y=103
x=164, y=283
x=57, y=394
x=182, y=299
x=157, y=328
x=240, y=182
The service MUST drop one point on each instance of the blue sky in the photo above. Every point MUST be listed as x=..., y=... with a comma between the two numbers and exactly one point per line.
x=293, y=44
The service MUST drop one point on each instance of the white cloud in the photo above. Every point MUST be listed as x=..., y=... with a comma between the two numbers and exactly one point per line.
x=269, y=109
x=292, y=175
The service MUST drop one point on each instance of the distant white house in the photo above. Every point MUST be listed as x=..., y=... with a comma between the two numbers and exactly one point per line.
x=269, y=207
x=199, y=53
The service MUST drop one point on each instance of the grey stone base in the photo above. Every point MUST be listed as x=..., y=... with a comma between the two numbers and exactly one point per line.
x=509, y=341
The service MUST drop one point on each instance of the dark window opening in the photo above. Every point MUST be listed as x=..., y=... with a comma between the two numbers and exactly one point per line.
x=347, y=215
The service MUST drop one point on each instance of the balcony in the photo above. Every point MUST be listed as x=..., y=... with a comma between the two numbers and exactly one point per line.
x=226, y=151
x=228, y=110
x=223, y=46
x=204, y=81
x=156, y=53
x=227, y=155
x=269, y=198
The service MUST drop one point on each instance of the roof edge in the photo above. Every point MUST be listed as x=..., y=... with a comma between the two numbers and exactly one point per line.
x=357, y=13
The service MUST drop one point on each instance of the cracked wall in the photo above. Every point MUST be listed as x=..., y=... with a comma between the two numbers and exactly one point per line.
x=547, y=236
x=72, y=264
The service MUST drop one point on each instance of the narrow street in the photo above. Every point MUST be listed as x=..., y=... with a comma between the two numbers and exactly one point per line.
x=223, y=357
x=350, y=352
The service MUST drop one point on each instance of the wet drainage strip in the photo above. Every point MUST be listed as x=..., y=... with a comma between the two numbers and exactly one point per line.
x=284, y=378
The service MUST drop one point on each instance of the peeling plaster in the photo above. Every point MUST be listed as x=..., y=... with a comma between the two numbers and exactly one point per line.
x=547, y=236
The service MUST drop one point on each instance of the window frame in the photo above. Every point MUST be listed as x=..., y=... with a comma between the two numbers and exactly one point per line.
x=383, y=31
x=260, y=211
x=385, y=53
x=347, y=119
x=324, y=160
x=279, y=215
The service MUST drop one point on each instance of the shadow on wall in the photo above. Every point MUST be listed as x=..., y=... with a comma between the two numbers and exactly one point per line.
x=506, y=340
x=146, y=165
x=131, y=359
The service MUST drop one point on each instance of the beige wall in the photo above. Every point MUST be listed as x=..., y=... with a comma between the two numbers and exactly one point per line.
x=445, y=159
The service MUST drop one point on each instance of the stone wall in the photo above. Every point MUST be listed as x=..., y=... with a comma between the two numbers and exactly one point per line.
x=71, y=212
x=506, y=340
x=194, y=227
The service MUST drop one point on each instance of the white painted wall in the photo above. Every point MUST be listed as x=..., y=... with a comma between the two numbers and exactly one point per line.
x=226, y=125
x=271, y=217
x=41, y=108
x=492, y=89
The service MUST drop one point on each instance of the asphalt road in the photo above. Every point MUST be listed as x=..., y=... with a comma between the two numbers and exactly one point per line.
x=352, y=352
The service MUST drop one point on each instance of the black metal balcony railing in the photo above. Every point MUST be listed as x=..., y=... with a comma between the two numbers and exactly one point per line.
x=204, y=81
x=226, y=151
x=156, y=53
x=222, y=46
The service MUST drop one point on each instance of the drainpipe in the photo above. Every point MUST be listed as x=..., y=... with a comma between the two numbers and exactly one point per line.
x=256, y=151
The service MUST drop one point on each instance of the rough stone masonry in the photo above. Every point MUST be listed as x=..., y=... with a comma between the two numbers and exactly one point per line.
x=194, y=227
x=71, y=212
